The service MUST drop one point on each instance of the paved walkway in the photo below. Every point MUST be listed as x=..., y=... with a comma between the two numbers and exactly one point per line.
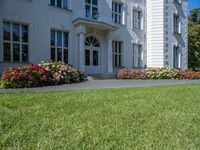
x=98, y=84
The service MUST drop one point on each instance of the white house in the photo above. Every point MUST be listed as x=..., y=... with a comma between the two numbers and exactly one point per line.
x=98, y=36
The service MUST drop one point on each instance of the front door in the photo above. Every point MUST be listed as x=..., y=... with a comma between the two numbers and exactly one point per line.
x=92, y=54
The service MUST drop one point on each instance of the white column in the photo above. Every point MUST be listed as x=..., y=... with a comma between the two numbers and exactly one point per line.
x=110, y=58
x=82, y=51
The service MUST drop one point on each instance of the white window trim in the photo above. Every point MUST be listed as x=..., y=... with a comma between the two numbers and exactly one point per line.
x=11, y=42
x=179, y=24
x=91, y=6
x=140, y=65
x=62, y=46
x=137, y=20
x=119, y=63
x=62, y=4
x=117, y=13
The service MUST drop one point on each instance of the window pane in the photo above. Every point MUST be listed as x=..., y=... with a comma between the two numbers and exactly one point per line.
x=25, y=53
x=88, y=1
x=94, y=2
x=6, y=48
x=52, y=38
x=65, y=4
x=66, y=56
x=53, y=54
x=59, y=54
x=25, y=34
x=87, y=57
x=87, y=11
x=6, y=31
x=65, y=39
x=59, y=3
x=59, y=39
x=15, y=32
x=95, y=58
x=53, y=2
x=16, y=52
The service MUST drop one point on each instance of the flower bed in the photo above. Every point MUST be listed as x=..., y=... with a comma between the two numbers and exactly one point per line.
x=43, y=74
x=158, y=73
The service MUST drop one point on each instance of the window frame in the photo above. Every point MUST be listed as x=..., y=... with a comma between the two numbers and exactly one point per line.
x=92, y=13
x=176, y=57
x=62, y=47
x=62, y=4
x=117, y=12
x=137, y=22
x=176, y=24
x=117, y=53
x=138, y=56
x=11, y=42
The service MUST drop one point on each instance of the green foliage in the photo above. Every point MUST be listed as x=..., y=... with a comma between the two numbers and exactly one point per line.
x=194, y=40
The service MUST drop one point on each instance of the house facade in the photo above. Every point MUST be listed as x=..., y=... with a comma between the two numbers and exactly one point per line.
x=97, y=36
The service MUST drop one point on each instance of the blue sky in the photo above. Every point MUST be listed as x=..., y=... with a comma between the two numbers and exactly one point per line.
x=193, y=4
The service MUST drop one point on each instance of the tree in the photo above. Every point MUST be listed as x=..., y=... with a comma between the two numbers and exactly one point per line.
x=194, y=39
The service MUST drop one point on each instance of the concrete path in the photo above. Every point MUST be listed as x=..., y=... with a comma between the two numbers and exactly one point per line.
x=98, y=84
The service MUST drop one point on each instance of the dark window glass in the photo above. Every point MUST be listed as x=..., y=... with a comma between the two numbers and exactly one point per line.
x=25, y=53
x=66, y=56
x=15, y=32
x=24, y=33
x=59, y=3
x=52, y=38
x=16, y=52
x=87, y=57
x=53, y=54
x=94, y=2
x=87, y=11
x=59, y=54
x=88, y=1
x=95, y=58
x=65, y=39
x=65, y=4
x=6, y=31
x=53, y=2
x=59, y=39
x=6, y=48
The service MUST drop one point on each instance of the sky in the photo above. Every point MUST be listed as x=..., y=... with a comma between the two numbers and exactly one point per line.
x=193, y=4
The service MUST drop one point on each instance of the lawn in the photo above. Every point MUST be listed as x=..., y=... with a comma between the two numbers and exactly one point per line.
x=166, y=117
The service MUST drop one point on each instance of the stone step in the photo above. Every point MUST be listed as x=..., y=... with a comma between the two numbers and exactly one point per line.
x=100, y=77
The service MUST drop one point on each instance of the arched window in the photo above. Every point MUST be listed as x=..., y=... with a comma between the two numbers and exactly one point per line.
x=91, y=41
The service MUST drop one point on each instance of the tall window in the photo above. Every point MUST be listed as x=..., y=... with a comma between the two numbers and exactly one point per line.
x=137, y=19
x=59, y=46
x=137, y=59
x=15, y=42
x=117, y=53
x=176, y=24
x=117, y=12
x=91, y=9
x=60, y=3
x=176, y=58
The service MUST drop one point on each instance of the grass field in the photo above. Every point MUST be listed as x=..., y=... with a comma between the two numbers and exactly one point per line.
x=166, y=117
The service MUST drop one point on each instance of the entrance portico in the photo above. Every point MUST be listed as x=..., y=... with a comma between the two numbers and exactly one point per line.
x=94, y=46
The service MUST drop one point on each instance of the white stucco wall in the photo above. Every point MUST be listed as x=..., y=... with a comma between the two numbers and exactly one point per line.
x=41, y=18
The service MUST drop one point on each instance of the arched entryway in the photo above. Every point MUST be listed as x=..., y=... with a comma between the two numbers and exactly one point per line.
x=92, y=54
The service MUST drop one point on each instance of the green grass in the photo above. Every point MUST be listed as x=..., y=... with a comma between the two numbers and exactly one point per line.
x=166, y=117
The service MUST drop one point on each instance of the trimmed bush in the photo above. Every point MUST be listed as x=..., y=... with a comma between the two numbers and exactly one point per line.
x=30, y=76
x=158, y=73
x=44, y=74
x=63, y=73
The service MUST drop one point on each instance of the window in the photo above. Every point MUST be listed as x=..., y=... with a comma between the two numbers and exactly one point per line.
x=137, y=60
x=91, y=9
x=176, y=24
x=117, y=53
x=117, y=12
x=15, y=42
x=176, y=58
x=137, y=19
x=178, y=1
x=59, y=46
x=60, y=3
